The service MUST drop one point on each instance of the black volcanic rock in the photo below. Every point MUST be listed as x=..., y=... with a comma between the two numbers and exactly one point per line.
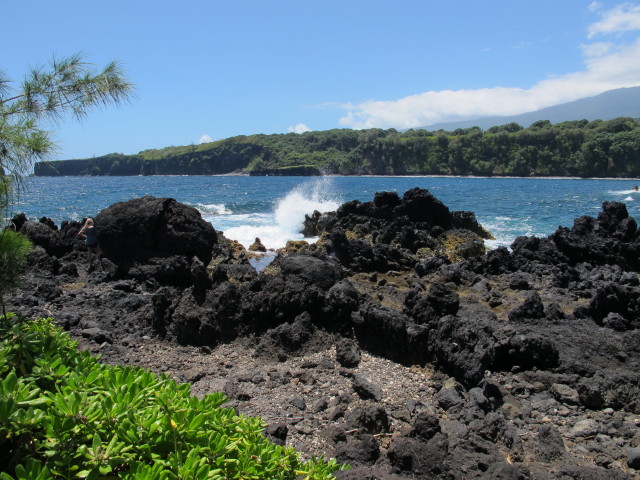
x=347, y=353
x=612, y=238
x=498, y=346
x=435, y=304
x=531, y=308
x=393, y=233
x=421, y=206
x=148, y=227
x=363, y=450
x=56, y=241
x=425, y=459
x=311, y=271
x=368, y=418
x=616, y=299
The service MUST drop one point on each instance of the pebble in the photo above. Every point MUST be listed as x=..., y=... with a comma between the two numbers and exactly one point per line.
x=298, y=402
x=304, y=429
x=565, y=394
x=584, y=428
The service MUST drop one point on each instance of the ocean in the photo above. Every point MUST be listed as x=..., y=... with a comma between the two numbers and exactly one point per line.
x=273, y=208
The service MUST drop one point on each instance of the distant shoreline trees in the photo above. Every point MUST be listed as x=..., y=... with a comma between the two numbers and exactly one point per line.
x=578, y=148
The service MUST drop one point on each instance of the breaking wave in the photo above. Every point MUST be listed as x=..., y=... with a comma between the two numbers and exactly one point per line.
x=286, y=220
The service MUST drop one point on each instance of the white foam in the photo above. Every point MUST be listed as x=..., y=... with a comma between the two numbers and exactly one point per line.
x=623, y=192
x=506, y=229
x=271, y=236
x=291, y=210
x=213, y=209
x=498, y=242
x=287, y=220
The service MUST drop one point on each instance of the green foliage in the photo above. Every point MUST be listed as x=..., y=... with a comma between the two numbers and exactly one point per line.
x=65, y=415
x=5, y=193
x=14, y=251
x=66, y=86
x=576, y=148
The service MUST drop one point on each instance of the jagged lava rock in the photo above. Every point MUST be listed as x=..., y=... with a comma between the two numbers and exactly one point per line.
x=148, y=227
x=388, y=232
x=489, y=383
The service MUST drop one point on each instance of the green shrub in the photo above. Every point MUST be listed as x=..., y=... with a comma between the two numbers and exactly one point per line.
x=14, y=252
x=65, y=415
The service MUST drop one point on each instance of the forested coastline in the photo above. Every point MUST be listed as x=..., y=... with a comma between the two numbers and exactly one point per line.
x=578, y=148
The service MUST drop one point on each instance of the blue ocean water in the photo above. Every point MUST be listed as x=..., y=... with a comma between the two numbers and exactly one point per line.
x=273, y=208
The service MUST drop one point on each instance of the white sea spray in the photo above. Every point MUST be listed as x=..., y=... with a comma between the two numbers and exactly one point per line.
x=286, y=221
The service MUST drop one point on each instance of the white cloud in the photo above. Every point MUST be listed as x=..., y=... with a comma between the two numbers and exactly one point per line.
x=622, y=18
x=594, y=7
x=606, y=66
x=597, y=49
x=299, y=128
x=523, y=45
x=205, y=139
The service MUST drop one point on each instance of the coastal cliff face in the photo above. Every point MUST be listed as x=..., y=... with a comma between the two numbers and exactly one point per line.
x=395, y=343
x=233, y=158
x=576, y=148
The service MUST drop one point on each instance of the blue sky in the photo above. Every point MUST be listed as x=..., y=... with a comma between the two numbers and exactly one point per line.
x=206, y=70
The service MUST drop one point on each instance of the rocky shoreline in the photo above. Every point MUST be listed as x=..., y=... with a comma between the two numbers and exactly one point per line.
x=395, y=343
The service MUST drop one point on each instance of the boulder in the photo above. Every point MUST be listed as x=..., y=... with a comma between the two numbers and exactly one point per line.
x=148, y=227
x=310, y=270
x=368, y=418
x=611, y=239
x=438, y=302
x=550, y=444
x=286, y=339
x=425, y=459
x=633, y=458
x=362, y=450
x=365, y=388
x=419, y=205
x=277, y=433
x=425, y=425
x=532, y=308
x=56, y=242
x=347, y=353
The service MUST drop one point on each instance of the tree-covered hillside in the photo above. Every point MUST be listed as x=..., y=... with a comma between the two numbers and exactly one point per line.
x=577, y=148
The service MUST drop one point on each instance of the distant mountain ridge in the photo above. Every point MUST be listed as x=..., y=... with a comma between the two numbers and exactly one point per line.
x=621, y=102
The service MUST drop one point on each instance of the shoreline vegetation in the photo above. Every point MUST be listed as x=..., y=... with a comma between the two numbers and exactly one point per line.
x=580, y=149
x=133, y=422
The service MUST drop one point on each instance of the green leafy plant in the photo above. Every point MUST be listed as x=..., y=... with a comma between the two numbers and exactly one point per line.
x=65, y=415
